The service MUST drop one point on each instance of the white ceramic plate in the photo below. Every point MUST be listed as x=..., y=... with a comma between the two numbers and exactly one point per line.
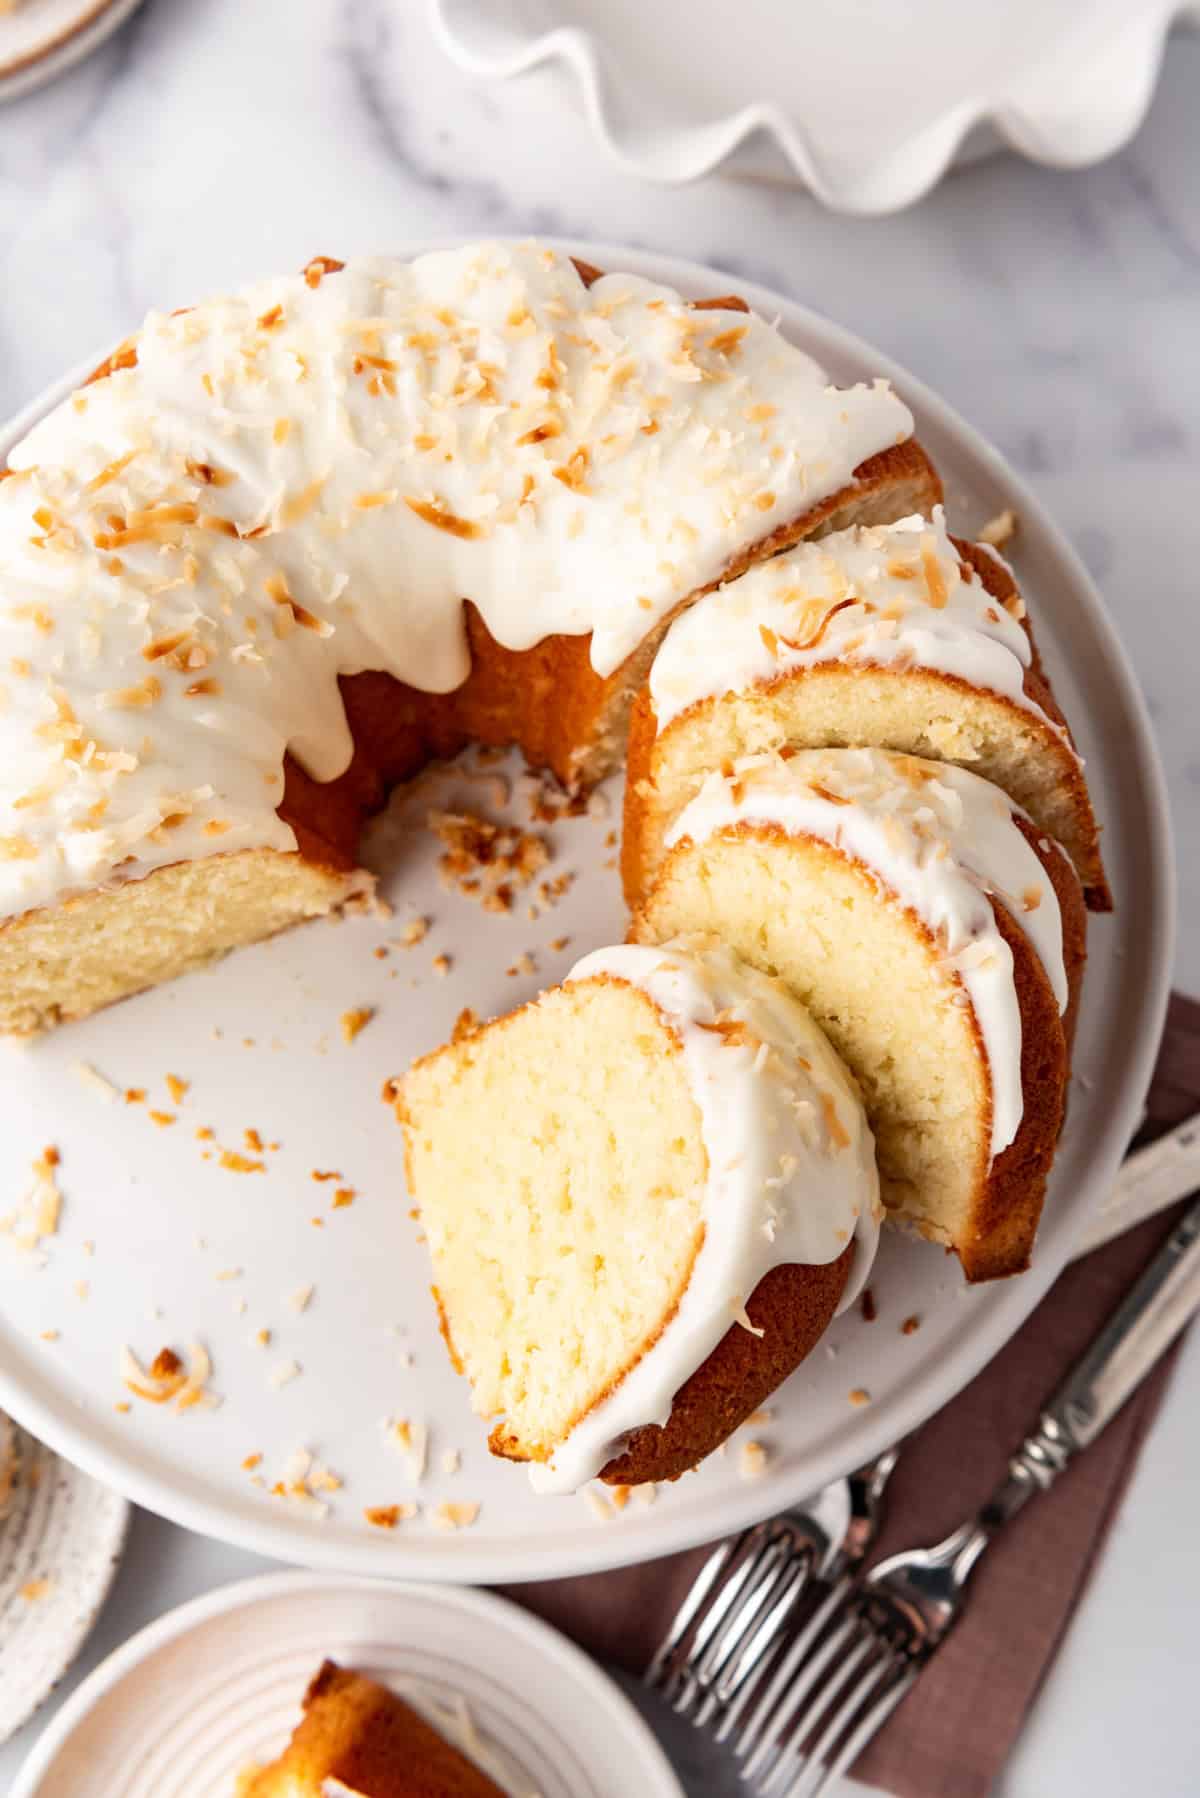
x=216, y=1685
x=865, y=104
x=42, y=38
x=61, y=1537
x=166, y=1225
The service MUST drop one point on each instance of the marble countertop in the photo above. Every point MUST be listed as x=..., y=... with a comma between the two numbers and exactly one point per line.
x=213, y=141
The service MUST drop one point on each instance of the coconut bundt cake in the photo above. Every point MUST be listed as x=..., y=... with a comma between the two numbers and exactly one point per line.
x=288, y=545
x=678, y=1193
x=897, y=636
x=358, y=1740
x=935, y=936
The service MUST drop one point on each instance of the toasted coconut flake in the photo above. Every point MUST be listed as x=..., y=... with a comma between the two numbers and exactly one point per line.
x=299, y=1299
x=236, y=1163
x=284, y=1373
x=434, y=513
x=387, y=1517
x=355, y=1021
x=753, y=1460
x=998, y=530
x=597, y=1503
x=860, y=1396
x=742, y=1316
x=168, y=1380
x=454, y=1516
x=411, y=1440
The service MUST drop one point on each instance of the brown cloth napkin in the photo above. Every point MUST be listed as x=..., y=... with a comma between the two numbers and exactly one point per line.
x=951, y=1736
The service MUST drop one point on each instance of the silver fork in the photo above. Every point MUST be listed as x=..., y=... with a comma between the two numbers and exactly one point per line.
x=740, y=1603
x=866, y=1644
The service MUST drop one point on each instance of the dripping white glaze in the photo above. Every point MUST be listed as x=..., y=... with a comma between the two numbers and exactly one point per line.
x=944, y=841
x=791, y=1170
x=883, y=596
x=304, y=480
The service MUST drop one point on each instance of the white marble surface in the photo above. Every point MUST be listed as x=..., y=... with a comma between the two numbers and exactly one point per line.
x=213, y=140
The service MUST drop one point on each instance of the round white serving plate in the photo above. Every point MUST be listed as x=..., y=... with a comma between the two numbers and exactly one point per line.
x=61, y=1537
x=165, y=1224
x=866, y=105
x=43, y=38
x=214, y=1686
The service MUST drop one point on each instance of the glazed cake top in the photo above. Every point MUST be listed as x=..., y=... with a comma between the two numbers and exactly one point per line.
x=306, y=478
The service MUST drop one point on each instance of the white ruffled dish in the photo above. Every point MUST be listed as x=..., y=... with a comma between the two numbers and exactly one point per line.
x=866, y=105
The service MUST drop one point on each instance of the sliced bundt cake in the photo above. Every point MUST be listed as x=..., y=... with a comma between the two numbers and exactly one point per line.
x=678, y=1191
x=897, y=637
x=358, y=1740
x=935, y=936
x=292, y=542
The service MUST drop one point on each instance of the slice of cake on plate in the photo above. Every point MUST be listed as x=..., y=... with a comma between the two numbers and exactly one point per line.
x=936, y=936
x=894, y=637
x=645, y=1195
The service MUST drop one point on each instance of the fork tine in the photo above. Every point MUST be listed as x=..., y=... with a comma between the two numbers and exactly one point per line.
x=683, y=1689
x=798, y=1724
x=775, y=1574
x=703, y=1584
x=841, y=1636
x=754, y=1741
x=814, y=1766
x=868, y=1727
x=731, y=1565
x=736, y=1686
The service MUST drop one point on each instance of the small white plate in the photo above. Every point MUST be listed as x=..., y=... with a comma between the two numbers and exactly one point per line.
x=166, y=1226
x=866, y=105
x=215, y=1686
x=42, y=38
x=61, y=1537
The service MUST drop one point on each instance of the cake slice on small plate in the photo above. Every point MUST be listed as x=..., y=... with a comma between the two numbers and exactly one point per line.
x=359, y=1740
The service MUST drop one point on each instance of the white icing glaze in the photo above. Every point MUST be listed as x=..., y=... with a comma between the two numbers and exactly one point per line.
x=579, y=460
x=901, y=599
x=791, y=1170
x=944, y=841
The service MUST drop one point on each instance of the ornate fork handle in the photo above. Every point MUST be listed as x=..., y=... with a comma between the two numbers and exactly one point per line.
x=1134, y=1337
x=1137, y=1333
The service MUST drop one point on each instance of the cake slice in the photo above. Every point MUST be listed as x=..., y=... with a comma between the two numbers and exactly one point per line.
x=892, y=636
x=358, y=1740
x=645, y=1196
x=936, y=937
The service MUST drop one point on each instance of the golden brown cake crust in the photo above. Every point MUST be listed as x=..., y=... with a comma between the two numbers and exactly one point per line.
x=1010, y=1200
x=1009, y=1195
x=358, y=1732
x=793, y=1306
